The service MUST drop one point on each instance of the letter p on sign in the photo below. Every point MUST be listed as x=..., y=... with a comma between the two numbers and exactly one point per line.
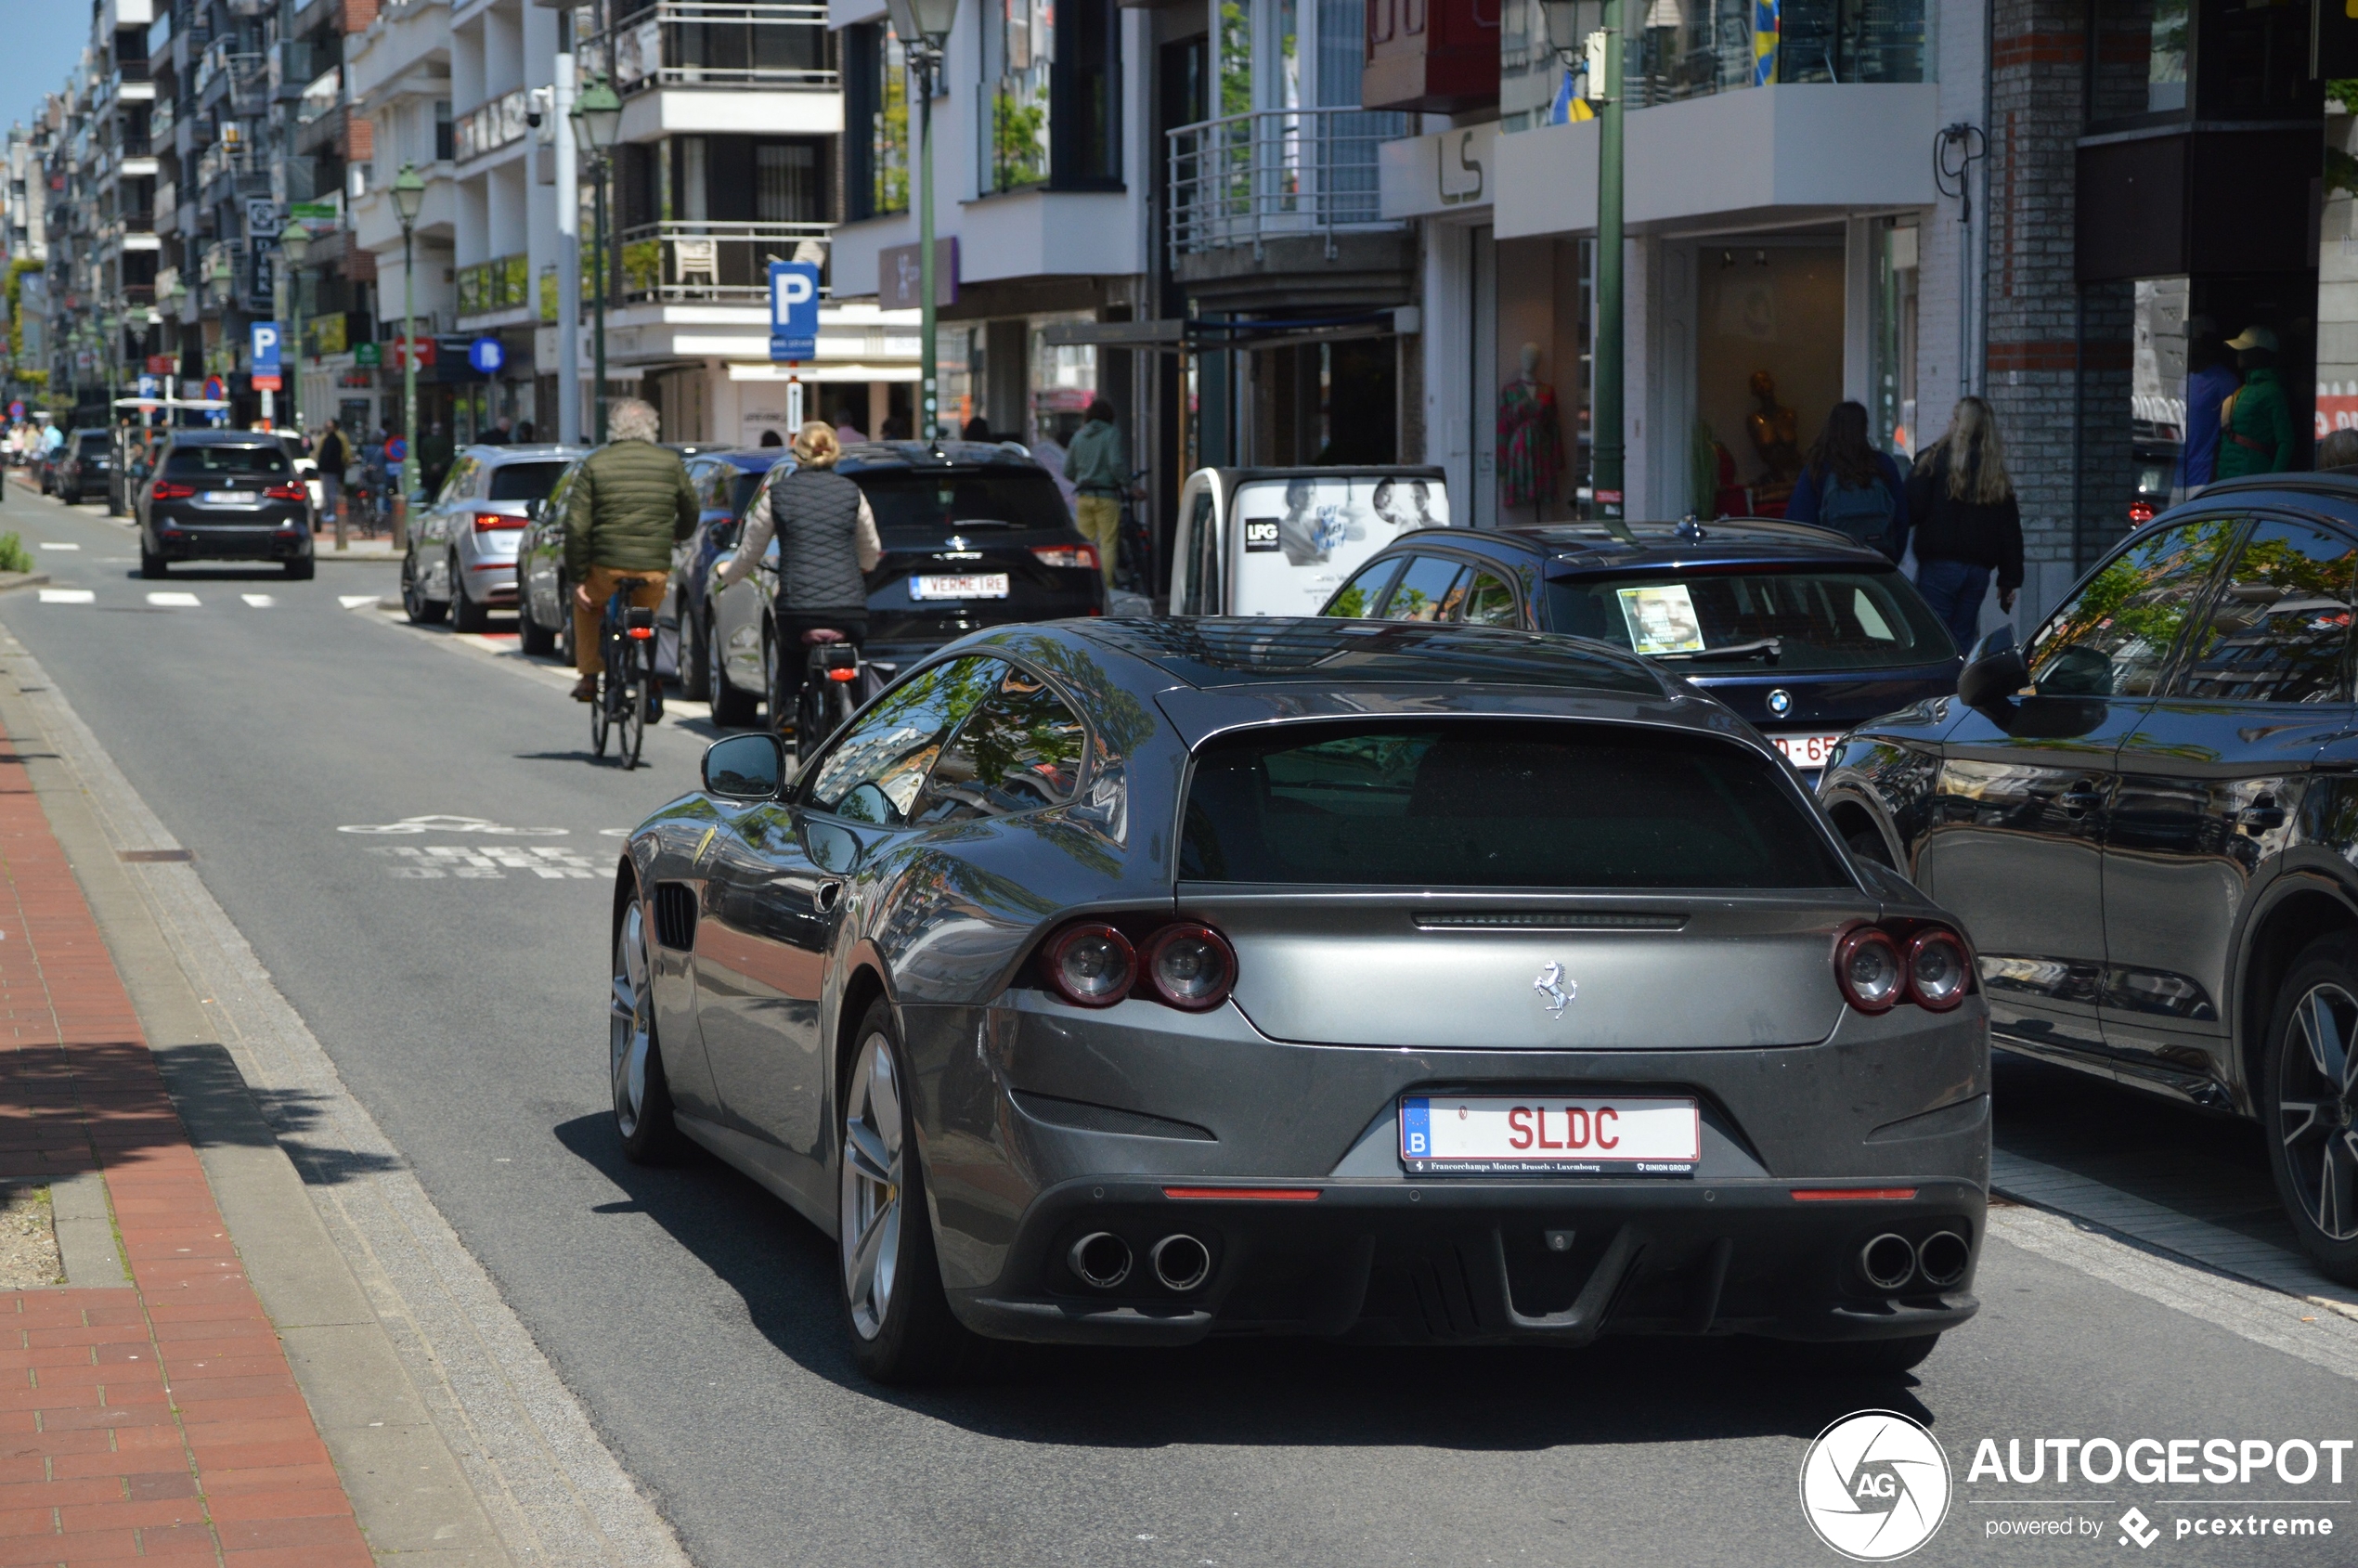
x=793, y=310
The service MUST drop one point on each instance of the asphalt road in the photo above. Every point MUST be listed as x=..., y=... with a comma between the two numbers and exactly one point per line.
x=696, y=1318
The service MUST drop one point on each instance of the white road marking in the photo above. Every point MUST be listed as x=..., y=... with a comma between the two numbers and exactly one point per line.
x=453, y=824
x=259, y=600
x=67, y=596
x=486, y=862
x=356, y=600
x=52, y=544
x=173, y=601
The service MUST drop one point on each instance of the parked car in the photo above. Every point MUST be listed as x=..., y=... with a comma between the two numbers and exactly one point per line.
x=1279, y=541
x=1798, y=629
x=84, y=463
x=462, y=560
x=2147, y=815
x=224, y=495
x=726, y=482
x=974, y=535
x=1159, y=978
x=45, y=464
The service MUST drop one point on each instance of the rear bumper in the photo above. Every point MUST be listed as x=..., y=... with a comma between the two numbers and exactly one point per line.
x=252, y=542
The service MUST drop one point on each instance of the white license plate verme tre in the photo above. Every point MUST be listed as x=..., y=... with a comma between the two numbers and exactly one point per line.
x=969, y=585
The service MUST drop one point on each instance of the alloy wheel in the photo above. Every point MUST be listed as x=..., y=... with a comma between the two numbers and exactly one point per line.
x=2317, y=1102
x=630, y=1022
x=873, y=1185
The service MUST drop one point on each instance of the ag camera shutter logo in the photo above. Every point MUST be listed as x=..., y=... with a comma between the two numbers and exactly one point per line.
x=1874, y=1486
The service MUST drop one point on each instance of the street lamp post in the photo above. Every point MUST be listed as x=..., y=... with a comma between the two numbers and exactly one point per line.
x=294, y=244
x=923, y=27
x=409, y=197
x=597, y=120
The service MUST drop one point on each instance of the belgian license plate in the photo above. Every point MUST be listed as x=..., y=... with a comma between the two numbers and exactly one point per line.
x=227, y=498
x=1549, y=1135
x=1806, y=751
x=968, y=584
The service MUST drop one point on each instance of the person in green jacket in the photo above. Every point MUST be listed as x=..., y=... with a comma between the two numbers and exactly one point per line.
x=631, y=501
x=2254, y=423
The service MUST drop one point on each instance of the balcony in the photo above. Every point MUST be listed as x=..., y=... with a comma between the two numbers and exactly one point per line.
x=489, y=287
x=1252, y=180
x=708, y=263
x=738, y=44
x=167, y=208
x=489, y=127
x=238, y=80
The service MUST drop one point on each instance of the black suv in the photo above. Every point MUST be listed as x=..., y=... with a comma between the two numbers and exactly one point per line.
x=84, y=463
x=224, y=495
x=1795, y=627
x=2147, y=816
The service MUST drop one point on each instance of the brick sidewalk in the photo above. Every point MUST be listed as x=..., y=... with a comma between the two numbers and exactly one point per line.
x=161, y=1420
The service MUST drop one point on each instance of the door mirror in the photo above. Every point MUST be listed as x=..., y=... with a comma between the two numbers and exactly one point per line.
x=1994, y=674
x=745, y=767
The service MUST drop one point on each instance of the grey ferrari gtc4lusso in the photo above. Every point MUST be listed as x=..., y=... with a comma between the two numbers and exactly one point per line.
x=1124, y=982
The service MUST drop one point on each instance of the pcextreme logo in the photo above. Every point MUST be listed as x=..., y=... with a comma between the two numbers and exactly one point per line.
x=1874, y=1485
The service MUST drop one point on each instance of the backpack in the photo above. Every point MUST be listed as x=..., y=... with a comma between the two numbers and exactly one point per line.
x=1865, y=514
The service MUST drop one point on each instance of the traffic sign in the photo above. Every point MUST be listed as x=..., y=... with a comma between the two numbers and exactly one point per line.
x=367, y=356
x=425, y=352
x=793, y=310
x=215, y=389
x=147, y=386
x=162, y=364
x=265, y=356
x=15, y=411
x=397, y=450
x=488, y=355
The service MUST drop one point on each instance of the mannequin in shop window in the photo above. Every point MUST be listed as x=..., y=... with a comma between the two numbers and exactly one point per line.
x=1531, y=443
x=1776, y=438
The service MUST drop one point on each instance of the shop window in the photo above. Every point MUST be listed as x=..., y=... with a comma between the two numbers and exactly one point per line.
x=1064, y=382
x=877, y=116
x=2217, y=59
x=1050, y=99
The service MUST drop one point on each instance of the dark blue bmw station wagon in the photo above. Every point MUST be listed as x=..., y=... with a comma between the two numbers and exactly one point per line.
x=1800, y=630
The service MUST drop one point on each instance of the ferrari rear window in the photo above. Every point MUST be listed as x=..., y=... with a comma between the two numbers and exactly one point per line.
x=1497, y=804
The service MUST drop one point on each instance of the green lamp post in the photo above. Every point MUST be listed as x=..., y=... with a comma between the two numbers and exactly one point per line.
x=294, y=244
x=923, y=27
x=597, y=121
x=409, y=198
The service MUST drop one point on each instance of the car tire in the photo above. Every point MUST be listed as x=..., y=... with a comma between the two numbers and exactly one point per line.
x=466, y=615
x=531, y=635
x=152, y=565
x=902, y=1330
x=301, y=568
x=2308, y=1097
x=420, y=610
x=642, y=1095
x=695, y=679
x=731, y=708
x=1863, y=1358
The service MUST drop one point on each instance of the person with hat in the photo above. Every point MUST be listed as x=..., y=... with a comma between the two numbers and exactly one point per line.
x=2211, y=381
x=2255, y=426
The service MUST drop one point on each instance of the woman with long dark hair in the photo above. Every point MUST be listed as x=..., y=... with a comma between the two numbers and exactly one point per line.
x=1848, y=483
x=1968, y=524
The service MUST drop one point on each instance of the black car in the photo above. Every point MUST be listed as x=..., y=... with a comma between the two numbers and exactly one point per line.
x=224, y=495
x=2147, y=816
x=1799, y=629
x=84, y=463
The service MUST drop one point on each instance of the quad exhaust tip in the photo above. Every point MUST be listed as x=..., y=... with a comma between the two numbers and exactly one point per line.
x=1888, y=1261
x=1181, y=1262
x=1942, y=1258
x=1101, y=1259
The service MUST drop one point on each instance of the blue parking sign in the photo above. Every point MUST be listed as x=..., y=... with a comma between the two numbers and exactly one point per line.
x=793, y=310
x=266, y=355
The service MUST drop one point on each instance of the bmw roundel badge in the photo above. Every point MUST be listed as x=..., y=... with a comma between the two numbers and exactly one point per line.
x=1780, y=701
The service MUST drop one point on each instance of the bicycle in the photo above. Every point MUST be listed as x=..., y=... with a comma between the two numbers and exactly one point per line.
x=831, y=687
x=627, y=700
x=1134, y=547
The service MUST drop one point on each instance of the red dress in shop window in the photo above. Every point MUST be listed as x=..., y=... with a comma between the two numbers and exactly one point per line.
x=1530, y=443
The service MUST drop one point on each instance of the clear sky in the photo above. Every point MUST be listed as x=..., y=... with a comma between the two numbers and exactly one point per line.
x=43, y=39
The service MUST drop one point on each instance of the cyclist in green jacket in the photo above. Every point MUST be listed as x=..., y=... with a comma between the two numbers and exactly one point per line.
x=630, y=503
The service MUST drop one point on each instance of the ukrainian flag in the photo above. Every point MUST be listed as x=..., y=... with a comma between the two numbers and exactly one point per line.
x=1764, y=41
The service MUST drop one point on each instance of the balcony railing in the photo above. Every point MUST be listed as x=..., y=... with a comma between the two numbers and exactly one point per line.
x=1245, y=179
x=765, y=44
x=489, y=127
x=501, y=284
x=722, y=263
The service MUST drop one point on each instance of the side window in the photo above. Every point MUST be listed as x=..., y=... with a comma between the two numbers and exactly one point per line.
x=2113, y=637
x=1020, y=750
x=1202, y=566
x=1427, y=591
x=1363, y=593
x=2279, y=624
x=874, y=774
x=1488, y=602
x=459, y=481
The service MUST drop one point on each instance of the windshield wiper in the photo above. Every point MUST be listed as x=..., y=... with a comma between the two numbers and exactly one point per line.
x=1769, y=650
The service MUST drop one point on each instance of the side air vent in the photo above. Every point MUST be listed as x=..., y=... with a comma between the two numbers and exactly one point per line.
x=676, y=915
x=1547, y=920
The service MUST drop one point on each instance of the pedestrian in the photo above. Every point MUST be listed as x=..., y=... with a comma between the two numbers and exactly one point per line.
x=1848, y=485
x=526, y=435
x=2211, y=381
x=632, y=502
x=827, y=543
x=335, y=460
x=1968, y=523
x=434, y=461
x=977, y=429
x=502, y=434
x=2254, y=423
x=2339, y=450
x=1093, y=464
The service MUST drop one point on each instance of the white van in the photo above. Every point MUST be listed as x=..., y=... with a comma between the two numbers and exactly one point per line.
x=1276, y=541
